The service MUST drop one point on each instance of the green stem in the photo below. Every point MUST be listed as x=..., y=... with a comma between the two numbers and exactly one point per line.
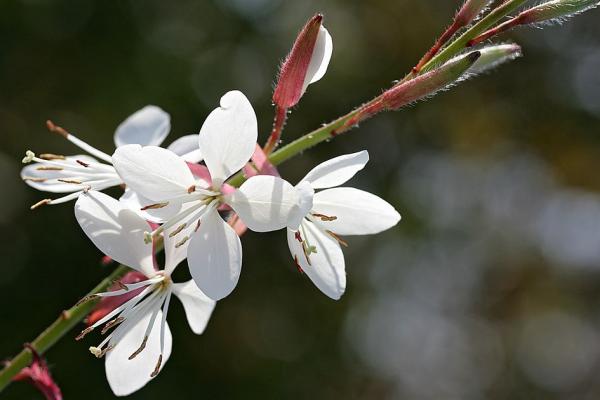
x=63, y=324
x=483, y=25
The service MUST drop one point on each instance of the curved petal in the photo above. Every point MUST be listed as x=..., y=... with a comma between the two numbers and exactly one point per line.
x=320, y=58
x=228, y=136
x=153, y=172
x=336, y=171
x=265, y=203
x=136, y=202
x=305, y=204
x=115, y=230
x=215, y=256
x=147, y=127
x=187, y=148
x=357, y=212
x=198, y=306
x=127, y=376
x=327, y=267
x=47, y=180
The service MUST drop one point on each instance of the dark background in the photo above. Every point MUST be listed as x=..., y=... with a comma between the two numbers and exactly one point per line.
x=487, y=289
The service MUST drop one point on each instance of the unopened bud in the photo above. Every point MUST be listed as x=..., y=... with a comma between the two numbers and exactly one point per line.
x=470, y=10
x=306, y=63
x=556, y=10
x=493, y=56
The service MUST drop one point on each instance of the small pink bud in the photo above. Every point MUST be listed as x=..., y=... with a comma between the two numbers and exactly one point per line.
x=306, y=63
x=39, y=376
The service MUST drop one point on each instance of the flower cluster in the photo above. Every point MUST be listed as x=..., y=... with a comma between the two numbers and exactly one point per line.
x=178, y=199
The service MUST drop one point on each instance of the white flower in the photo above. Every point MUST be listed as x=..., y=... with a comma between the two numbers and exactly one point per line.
x=140, y=343
x=74, y=174
x=315, y=243
x=164, y=182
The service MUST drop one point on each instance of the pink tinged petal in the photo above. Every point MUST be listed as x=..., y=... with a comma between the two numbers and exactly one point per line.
x=228, y=136
x=147, y=127
x=356, y=212
x=198, y=307
x=127, y=376
x=50, y=183
x=260, y=164
x=320, y=58
x=153, y=172
x=201, y=173
x=215, y=256
x=327, y=266
x=187, y=148
x=336, y=171
x=115, y=230
x=265, y=203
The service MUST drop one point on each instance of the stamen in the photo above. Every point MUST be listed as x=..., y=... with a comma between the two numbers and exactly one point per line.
x=84, y=332
x=29, y=156
x=86, y=299
x=83, y=164
x=47, y=168
x=339, y=239
x=176, y=231
x=191, y=189
x=56, y=129
x=73, y=181
x=50, y=156
x=147, y=237
x=197, y=226
x=78, y=142
x=298, y=236
x=95, y=351
x=157, y=368
x=324, y=217
x=155, y=206
x=110, y=324
x=182, y=242
x=40, y=203
x=298, y=264
x=140, y=349
x=32, y=179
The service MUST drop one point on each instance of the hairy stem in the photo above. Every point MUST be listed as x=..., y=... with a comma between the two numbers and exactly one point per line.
x=63, y=324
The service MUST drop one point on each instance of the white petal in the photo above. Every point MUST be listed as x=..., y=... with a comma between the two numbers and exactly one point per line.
x=327, y=266
x=155, y=173
x=357, y=212
x=305, y=204
x=320, y=58
x=51, y=184
x=198, y=307
x=117, y=231
x=228, y=136
x=176, y=246
x=187, y=148
x=215, y=256
x=135, y=202
x=265, y=203
x=126, y=376
x=147, y=127
x=336, y=171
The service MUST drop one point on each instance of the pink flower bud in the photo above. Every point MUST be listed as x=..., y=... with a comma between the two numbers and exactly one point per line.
x=306, y=63
x=39, y=376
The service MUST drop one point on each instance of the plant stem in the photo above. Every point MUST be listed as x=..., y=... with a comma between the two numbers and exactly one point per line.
x=63, y=324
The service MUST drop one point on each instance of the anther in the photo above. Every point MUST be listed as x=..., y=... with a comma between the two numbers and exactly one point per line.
x=83, y=164
x=84, y=332
x=182, y=242
x=298, y=264
x=324, y=217
x=298, y=236
x=176, y=231
x=33, y=179
x=197, y=226
x=191, y=189
x=157, y=368
x=121, y=285
x=140, y=349
x=50, y=156
x=155, y=206
x=40, y=203
x=56, y=129
x=86, y=299
x=73, y=181
x=147, y=237
x=110, y=324
x=339, y=239
x=95, y=351
x=47, y=168
x=29, y=155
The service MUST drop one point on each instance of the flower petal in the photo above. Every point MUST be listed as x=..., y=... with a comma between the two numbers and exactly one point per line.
x=327, y=267
x=215, y=256
x=187, y=148
x=136, y=202
x=198, y=307
x=320, y=58
x=115, y=230
x=127, y=376
x=175, y=242
x=228, y=136
x=265, y=203
x=357, y=212
x=155, y=173
x=147, y=127
x=336, y=171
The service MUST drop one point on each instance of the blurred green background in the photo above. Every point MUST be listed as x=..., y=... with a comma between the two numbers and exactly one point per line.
x=489, y=288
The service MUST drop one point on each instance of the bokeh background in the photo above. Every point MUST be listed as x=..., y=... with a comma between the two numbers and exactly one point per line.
x=489, y=288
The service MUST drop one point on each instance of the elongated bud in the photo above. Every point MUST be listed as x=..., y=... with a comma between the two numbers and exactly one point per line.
x=493, y=56
x=429, y=83
x=470, y=10
x=548, y=12
x=306, y=63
